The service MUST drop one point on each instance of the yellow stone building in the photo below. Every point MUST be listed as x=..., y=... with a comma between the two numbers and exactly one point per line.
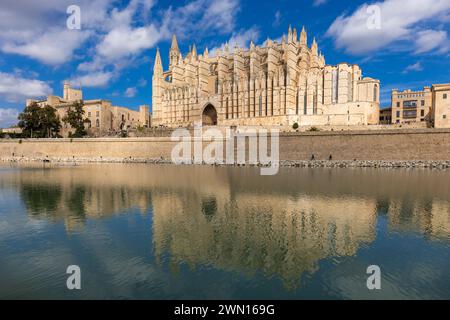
x=411, y=106
x=277, y=84
x=430, y=106
x=441, y=105
x=102, y=115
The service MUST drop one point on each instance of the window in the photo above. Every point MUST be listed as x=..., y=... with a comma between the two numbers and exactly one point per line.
x=398, y=104
x=410, y=114
x=398, y=114
x=410, y=104
x=445, y=96
x=422, y=103
x=98, y=113
x=97, y=123
x=260, y=105
x=422, y=113
x=89, y=114
x=375, y=93
x=444, y=116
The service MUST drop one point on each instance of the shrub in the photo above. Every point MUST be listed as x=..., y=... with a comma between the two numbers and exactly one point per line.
x=295, y=126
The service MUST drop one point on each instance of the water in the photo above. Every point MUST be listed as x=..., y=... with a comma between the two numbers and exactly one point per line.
x=167, y=232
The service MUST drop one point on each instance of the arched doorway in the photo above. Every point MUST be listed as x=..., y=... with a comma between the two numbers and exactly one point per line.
x=209, y=116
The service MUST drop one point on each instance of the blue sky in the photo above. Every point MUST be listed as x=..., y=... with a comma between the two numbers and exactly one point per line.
x=112, y=55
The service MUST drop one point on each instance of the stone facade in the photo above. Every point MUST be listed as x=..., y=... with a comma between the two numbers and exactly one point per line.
x=276, y=84
x=102, y=115
x=441, y=105
x=411, y=106
x=430, y=106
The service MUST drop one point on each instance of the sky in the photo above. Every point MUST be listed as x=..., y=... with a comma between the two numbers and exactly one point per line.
x=405, y=44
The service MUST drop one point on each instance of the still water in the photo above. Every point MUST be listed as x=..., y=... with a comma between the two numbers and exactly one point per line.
x=168, y=232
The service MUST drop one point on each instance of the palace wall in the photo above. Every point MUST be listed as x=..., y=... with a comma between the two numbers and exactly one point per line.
x=415, y=144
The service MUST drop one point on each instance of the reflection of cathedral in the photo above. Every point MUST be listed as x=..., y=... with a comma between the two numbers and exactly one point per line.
x=235, y=220
x=279, y=83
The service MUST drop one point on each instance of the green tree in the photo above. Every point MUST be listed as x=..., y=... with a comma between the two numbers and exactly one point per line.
x=39, y=122
x=75, y=118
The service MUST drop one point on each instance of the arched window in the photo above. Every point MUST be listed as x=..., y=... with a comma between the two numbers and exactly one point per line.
x=97, y=123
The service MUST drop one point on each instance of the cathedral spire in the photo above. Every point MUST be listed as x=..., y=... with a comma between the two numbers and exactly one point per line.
x=158, y=68
x=303, y=37
x=290, y=34
x=314, y=48
x=174, y=43
x=206, y=53
x=194, y=51
x=294, y=35
x=175, y=54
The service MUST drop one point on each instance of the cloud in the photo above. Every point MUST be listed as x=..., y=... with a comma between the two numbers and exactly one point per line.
x=8, y=117
x=37, y=29
x=15, y=88
x=277, y=19
x=413, y=67
x=125, y=41
x=201, y=18
x=317, y=3
x=130, y=92
x=240, y=39
x=94, y=80
x=398, y=23
x=54, y=47
x=432, y=40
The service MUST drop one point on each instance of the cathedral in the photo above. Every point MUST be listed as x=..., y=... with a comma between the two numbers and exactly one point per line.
x=281, y=83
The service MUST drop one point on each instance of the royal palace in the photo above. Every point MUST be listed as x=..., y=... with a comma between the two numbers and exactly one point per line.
x=278, y=84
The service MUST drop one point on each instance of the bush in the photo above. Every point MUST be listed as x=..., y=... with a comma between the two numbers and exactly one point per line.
x=313, y=129
x=295, y=126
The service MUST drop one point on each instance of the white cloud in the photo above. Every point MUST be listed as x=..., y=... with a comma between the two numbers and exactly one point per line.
x=97, y=79
x=413, y=67
x=37, y=29
x=130, y=92
x=8, y=117
x=15, y=88
x=399, y=22
x=125, y=41
x=432, y=40
x=53, y=47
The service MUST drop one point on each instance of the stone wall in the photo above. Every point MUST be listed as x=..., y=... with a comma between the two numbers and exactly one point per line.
x=390, y=145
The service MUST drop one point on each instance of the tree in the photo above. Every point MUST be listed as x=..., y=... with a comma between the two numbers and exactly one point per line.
x=39, y=122
x=74, y=118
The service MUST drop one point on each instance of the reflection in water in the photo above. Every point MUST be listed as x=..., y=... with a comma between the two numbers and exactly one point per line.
x=233, y=220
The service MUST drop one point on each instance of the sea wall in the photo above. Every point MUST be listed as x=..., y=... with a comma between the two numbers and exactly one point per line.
x=383, y=145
